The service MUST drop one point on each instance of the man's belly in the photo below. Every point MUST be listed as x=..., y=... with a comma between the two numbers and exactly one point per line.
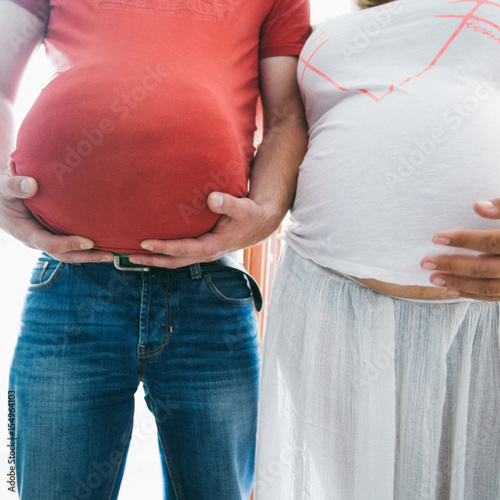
x=119, y=162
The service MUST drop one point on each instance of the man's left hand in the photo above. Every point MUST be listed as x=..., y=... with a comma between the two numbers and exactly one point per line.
x=469, y=276
x=243, y=223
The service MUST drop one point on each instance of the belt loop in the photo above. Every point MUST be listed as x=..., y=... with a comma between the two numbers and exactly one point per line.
x=195, y=270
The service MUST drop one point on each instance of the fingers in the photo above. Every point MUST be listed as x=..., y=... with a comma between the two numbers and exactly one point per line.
x=32, y=233
x=488, y=209
x=243, y=223
x=166, y=261
x=84, y=257
x=18, y=187
x=236, y=208
x=179, y=248
x=181, y=252
x=484, y=298
x=472, y=266
x=19, y=222
x=467, y=276
x=482, y=289
x=485, y=241
x=71, y=249
x=215, y=202
x=207, y=247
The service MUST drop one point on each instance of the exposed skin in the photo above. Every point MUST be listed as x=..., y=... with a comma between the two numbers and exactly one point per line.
x=15, y=218
x=470, y=276
x=467, y=276
x=476, y=277
x=244, y=222
x=273, y=180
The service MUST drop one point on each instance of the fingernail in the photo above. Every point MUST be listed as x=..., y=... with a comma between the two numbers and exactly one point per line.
x=486, y=204
x=429, y=265
x=27, y=185
x=107, y=259
x=453, y=292
x=440, y=240
x=147, y=246
x=217, y=200
x=86, y=245
x=438, y=281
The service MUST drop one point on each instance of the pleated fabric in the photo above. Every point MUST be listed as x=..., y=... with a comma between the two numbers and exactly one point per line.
x=370, y=397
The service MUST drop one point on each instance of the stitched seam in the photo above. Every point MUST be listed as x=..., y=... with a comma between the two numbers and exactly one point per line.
x=150, y=354
x=211, y=287
x=53, y=278
x=168, y=458
x=119, y=458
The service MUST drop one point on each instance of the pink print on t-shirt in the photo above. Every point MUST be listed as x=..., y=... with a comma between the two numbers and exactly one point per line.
x=469, y=21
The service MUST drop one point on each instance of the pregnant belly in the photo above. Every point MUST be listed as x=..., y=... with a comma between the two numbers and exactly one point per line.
x=407, y=291
x=119, y=162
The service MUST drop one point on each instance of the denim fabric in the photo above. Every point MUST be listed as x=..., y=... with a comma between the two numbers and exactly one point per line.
x=90, y=334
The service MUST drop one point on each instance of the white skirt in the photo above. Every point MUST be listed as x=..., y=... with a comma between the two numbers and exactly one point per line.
x=370, y=397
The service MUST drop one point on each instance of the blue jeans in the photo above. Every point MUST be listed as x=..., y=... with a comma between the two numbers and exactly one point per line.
x=90, y=334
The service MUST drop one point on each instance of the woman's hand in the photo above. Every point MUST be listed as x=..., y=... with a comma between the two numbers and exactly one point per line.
x=469, y=276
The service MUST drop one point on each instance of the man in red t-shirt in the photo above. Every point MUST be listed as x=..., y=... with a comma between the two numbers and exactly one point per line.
x=151, y=108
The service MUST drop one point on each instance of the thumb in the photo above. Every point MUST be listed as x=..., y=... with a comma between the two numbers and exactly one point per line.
x=18, y=186
x=223, y=203
x=488, y=209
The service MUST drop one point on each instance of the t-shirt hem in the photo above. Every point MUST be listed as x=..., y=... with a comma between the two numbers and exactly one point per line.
x=418, y=277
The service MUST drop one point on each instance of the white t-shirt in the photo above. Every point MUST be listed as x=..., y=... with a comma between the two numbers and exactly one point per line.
x=403, y=105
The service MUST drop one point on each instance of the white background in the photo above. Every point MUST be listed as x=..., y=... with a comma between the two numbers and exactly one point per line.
x=143, y=478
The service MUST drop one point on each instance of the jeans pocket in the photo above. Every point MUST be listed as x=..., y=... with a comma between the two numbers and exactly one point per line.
x=228, y=285
x=46, y=272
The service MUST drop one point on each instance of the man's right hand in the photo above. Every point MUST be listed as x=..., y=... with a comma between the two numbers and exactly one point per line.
x=17, y=220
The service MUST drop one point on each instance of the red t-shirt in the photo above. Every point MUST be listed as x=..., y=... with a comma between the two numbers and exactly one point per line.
x=152, y=106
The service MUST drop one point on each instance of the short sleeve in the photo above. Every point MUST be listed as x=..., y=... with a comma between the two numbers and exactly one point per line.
x=286, y=28
x=39, y=8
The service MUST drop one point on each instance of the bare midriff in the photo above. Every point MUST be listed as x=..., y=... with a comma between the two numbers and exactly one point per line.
x=407, y=292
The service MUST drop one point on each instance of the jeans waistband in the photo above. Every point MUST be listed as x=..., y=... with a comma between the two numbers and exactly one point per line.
x=122, y=264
